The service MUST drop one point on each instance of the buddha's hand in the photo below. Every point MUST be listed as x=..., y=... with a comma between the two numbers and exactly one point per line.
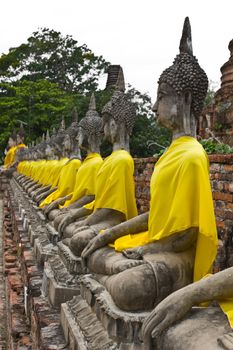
x=55, y=204
x=226, y=341
x=68, y=219
x=96, y=243
x=133, y=253
x=170, y=310
x=39, y=198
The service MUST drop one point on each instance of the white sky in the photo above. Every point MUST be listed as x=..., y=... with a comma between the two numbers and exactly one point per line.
x=141, y=35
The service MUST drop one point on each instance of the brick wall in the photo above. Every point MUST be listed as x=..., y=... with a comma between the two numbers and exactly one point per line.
x=221, y=176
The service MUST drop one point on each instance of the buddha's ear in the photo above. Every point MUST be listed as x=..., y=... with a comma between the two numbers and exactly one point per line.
x=188, y=97
x=187, y=117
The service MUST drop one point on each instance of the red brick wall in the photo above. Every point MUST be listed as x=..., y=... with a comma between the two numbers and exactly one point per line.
x=221, y=176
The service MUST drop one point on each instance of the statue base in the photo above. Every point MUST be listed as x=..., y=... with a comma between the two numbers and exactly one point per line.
x=59, y=285
x=120, y=329
x=87, y=332
x=52, y=234
x=43, y=249
x=72, y=262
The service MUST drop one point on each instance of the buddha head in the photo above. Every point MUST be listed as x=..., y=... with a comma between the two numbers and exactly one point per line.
x=20, y=135
x=21, y=154
x=119, y=115
x=58, y=141
x=70, y=143
x=40, y=149
x=182, y=89
x=90, y=129
x=50, y=145
x=12, y=140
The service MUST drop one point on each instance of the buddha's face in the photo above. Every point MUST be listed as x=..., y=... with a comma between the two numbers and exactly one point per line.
x=11, y=142
x=40, y=153
x=166, y=105
x=67, y=143
x=49, y=151
x=80, y=137
x=110, y=129
x=19, y=139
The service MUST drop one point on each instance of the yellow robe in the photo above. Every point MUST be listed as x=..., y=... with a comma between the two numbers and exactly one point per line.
x=115, y=185
x=66, y=182
x=45, y=177
x=85, y=182
x=10, y=157
x=55, y=171
x=181, y=198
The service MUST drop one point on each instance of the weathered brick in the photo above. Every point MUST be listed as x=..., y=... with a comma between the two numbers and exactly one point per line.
x=222, y=196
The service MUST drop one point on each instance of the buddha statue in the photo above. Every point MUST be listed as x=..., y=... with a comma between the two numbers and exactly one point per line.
x=89, y=138
x=61, y=153
x=20, y=136
x=41, y=170
x=114, y=196
x=37, y=156
x=175, y=243
x=67, y=176
x=10, y=155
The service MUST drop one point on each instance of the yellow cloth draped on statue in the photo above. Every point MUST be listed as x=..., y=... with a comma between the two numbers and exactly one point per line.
x=181, y=198
x=55, y=171
x=21, y=145
x=115, y=185
x=66, y=181
x=22, y=167
x=85, y=181
x=10, y=157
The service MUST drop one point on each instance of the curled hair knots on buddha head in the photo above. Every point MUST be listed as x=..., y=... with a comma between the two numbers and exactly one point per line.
x=186, y=74
x=58, y=139
x=120, y=108
x=73, y=128
x=92, y=123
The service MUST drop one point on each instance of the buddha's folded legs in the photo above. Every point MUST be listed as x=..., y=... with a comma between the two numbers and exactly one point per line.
x=140, y=288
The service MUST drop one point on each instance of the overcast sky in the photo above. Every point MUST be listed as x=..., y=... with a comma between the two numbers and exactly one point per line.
x=141, y=35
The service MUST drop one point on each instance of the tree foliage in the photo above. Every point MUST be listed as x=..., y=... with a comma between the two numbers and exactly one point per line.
x=59, y=59
x=148, y=138
x=210, y=93
x=43, y=79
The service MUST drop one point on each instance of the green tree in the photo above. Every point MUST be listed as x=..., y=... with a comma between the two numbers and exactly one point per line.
x=49, y=55
x=147, y=138
x=47, y=76
x=40, y=105
x=210, y=93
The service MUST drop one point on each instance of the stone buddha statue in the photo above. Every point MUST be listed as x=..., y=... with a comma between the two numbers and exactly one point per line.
x=10, y=155
x=175, y=243
x=67, y=176
x=44, y=159
x=114, y=196
x=61, y=153
x=89, y=138
x=38, y=158
x=20, y=136
x=15, y=151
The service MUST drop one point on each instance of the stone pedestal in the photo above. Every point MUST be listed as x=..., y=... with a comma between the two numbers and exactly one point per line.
x=201, y=329
x=58, y=285
x=72, y=262
x=43, y=249
x=120, y=329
